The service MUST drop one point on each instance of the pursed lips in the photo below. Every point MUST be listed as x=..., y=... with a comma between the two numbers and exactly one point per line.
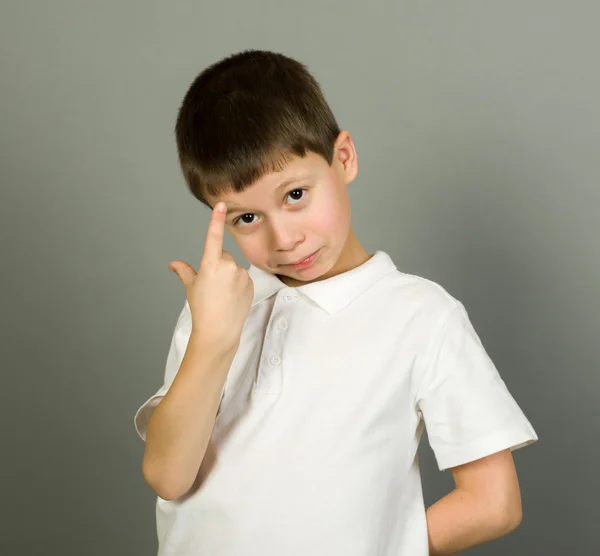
x=298, y=262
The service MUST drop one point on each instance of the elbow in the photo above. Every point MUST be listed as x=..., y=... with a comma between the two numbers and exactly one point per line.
x=513, y=520
x=510, y=519
x=162, y=483
x=514, y=513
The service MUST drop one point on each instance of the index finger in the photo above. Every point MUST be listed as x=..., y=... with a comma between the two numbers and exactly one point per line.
x=213, y=247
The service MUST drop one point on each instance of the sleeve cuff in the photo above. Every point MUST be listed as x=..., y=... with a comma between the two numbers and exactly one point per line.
x=485, y=446
x=143, y=414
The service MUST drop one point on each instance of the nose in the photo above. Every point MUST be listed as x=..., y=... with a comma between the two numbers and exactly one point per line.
x=285, y=235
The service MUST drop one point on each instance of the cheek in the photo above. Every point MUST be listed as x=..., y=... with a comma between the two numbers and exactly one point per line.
x=252, y=249
x=331, y=219
x=325, y=223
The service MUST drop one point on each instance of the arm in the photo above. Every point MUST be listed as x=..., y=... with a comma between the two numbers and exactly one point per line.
x=181, y=425
x=485, y=505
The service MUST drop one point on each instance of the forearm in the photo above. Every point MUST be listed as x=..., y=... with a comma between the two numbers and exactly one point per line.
x=459, y=521
x=180, y=427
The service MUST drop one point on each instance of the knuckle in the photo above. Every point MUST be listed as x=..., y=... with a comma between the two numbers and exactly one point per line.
x=231, y=266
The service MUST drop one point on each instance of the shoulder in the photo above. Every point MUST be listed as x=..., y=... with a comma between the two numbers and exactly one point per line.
x=421, y=298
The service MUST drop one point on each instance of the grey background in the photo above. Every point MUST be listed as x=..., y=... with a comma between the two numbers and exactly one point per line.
x=478, y=131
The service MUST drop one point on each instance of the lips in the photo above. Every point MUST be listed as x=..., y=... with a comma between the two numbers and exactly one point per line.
x=301, y=260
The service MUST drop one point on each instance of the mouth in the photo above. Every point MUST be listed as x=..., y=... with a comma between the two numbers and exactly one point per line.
x=303, y=262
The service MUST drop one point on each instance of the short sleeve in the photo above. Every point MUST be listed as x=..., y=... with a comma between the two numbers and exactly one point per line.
x=177, y=349
x=467, y=408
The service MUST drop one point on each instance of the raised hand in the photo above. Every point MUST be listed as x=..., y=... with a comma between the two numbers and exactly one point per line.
x=220, y=294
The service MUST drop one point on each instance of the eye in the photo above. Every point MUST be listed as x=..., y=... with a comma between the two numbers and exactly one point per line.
x=239, y=218
x=296, y=190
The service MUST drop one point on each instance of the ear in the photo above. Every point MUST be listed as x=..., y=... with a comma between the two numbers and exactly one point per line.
x=345, y=153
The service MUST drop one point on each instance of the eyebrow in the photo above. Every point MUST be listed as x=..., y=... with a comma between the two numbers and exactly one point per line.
x=234, y=209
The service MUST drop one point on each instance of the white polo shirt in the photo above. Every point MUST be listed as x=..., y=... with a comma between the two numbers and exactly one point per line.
x=313, y=450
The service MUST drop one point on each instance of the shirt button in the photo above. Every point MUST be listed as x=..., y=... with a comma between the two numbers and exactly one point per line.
x=275, y=360
x=282, y=325
x=290, y=297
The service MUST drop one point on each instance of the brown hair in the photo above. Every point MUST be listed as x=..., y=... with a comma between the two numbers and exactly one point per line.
x=248, y=115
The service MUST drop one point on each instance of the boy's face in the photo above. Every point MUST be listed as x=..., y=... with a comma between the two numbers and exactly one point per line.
x=274, y=227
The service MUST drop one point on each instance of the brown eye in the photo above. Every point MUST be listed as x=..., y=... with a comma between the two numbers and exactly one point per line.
x=241, y=218
x=298, y=191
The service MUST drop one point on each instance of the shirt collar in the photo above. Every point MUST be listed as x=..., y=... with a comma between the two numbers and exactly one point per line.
x=331, y=294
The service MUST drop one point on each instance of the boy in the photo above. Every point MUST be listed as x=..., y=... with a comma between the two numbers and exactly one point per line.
x=295, y=395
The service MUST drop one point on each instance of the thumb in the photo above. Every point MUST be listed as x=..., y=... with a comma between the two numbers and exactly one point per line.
x=185, y=272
